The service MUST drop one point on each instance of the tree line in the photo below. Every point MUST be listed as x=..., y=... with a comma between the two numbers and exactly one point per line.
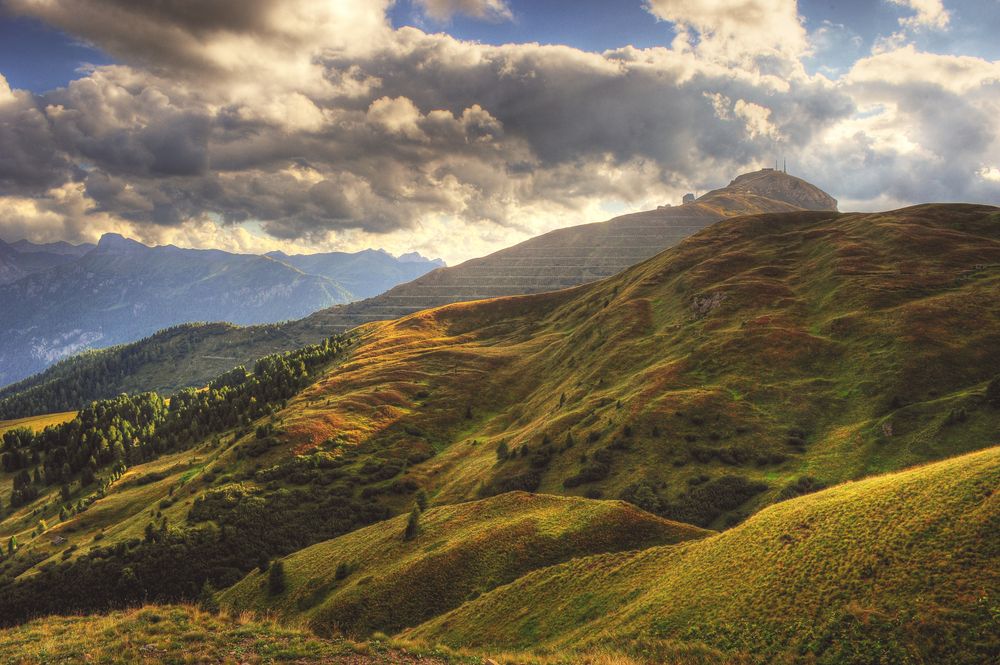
x=130, y=429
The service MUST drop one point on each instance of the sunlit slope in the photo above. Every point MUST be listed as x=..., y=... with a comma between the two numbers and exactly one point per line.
x=897, y=568
x=37, y=423
x=765, y=356
x=182, y=634
x=375, y=579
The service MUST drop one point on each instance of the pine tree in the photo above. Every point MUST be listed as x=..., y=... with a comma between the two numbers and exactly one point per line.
x=422, y=500
x=412, y=524
x=276, y=578
x=206, y=599
x=993, y=393
x=12, y=545
x=503, y=451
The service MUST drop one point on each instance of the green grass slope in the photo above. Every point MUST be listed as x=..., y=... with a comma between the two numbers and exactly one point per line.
x=764, y=357
x=180, y=634
x=386, y=582
x=901, y=568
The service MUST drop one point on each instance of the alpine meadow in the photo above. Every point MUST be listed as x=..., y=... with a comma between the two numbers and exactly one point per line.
x=708, y=372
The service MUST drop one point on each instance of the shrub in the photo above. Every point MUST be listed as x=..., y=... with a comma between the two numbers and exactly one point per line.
x=804, y=485
x=702, y=504
x=641, y=494
x=993, y=393
x=206, y=599
x=412, y=525
x=276, y=578
x=526, y=481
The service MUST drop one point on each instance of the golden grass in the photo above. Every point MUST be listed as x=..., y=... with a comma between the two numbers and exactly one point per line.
x=37, y=423
x=894, y=568
x=460, y=552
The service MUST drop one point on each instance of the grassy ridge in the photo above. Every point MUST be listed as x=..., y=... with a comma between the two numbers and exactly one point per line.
x=788, y=351
x=897, y=568
x=387, y=583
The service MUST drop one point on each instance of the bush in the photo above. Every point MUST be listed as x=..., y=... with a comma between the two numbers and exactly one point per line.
x=276, y=578
x=993, y=393
x=804, y=485
x=525, y=481
x=702, y=504
x=641, y=494
x=412, y=525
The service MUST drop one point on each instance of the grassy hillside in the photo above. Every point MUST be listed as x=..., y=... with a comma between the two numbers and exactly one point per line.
x=764, y=357
x=375, y=579
x=901, y=568
x=37, y=423
x=179, y=634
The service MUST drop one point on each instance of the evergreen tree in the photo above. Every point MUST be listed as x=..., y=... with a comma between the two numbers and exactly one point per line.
x=993, y=393
x=206, y=599
x=412, y=524
x=502, y=451
x=276, y=578
x=422, y=500
x=12, y=545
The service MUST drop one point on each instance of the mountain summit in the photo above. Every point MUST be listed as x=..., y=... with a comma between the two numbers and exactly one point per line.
x=777, y=186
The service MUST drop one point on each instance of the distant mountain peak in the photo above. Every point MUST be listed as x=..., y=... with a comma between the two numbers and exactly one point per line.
x=115, y=242
x=417, y=257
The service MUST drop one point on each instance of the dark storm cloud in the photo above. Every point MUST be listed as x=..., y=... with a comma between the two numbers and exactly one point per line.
x=30, y=161
x=310, y=116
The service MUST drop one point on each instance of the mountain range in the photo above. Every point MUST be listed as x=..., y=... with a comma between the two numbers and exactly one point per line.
x=61, y=299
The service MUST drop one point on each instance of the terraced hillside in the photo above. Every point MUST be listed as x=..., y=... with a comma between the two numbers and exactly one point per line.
x=556, y=260
x=580, y=254
x=902, y=568
x=764, y=357
x=375, y=579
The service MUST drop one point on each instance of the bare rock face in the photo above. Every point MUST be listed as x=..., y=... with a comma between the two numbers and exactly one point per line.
x=779, y=186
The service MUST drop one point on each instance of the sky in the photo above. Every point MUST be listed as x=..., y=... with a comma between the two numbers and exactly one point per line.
x=458, y=127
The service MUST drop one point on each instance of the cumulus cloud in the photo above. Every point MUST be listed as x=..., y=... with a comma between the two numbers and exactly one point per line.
x=927, y=14
x=320, y=125
x=734, y=29
x=487, y=10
